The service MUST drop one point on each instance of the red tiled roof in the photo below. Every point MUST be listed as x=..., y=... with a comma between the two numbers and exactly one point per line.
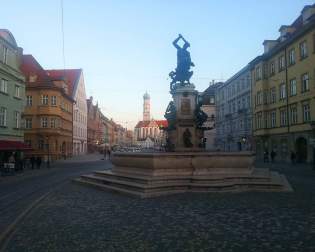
x=160, y=123
x=71, y=76
x=30, y=66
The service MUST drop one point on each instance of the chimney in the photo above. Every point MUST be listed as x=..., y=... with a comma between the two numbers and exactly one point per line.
x=269, y=44
x=307, y=12
x=285, y=31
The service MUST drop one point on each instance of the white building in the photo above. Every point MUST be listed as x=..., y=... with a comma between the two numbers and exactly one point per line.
x=148, y=132
x=208, y=106
x=76, y=86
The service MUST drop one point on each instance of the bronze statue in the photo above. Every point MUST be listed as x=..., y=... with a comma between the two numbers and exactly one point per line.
x=170, y=115
x=187, y=138
x=181, y=73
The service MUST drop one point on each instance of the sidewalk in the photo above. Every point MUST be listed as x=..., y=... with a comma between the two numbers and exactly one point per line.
x=83, y=158
x=57, y=164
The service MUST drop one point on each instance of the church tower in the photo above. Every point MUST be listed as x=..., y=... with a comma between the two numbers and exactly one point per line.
x=146, y=107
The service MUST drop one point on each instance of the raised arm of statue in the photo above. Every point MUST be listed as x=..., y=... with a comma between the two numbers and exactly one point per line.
x=175, y=42
x=185, y=41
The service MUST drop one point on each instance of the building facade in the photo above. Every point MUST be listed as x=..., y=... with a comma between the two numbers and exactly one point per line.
x=284, y=89
x=209, y=107
x=148, y=133
x=12, y=89
x=234, y=113
x=48, y=113
x=75, y=81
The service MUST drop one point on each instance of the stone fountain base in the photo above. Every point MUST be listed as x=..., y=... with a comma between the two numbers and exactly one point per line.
x=154, y=174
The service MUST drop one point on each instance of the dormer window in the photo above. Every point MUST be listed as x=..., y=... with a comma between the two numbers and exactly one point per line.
x=65, y=88
x=32, y=78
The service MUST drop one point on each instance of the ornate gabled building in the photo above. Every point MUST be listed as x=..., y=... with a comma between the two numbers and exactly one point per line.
x=48, y=112
x=75, y=81
x=148, y=132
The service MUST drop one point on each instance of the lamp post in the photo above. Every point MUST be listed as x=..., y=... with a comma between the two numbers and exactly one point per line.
x=48, y=159
x=313, y=141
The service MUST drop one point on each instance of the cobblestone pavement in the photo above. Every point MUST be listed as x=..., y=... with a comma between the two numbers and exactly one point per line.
x=78, y=218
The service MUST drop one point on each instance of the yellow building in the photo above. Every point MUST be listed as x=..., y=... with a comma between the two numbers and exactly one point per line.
x=283, y=91
x=48, y=113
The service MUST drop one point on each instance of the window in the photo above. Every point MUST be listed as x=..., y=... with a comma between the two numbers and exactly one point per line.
x=282, y=91
x=306, y=112
x=248, y=101
x=28, y=123
x=272, y=68
x=303, y=50
x=3, y=117
x=4, y=86
x=17, y=91
x=5, y=55
x=265, y=97
x=29, y=100
x=53, y=101
x=305, y=83
x=41, y=144
x=259, y=98
x=281, y=63
x=259, y=120
x=53, y=123
x=16, y=119
x=273, y=95
x=293, y=87
x=211, y=100
x=273, y=119
x=292, y=57
x=293, y=113
x=283, y=117
x=44, y=122
x=44, y=99
x=258, y=73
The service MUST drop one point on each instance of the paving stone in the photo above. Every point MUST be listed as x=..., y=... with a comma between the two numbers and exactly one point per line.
x=78, y=218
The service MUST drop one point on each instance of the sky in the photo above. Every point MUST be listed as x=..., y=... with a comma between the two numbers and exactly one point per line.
x=125, y=47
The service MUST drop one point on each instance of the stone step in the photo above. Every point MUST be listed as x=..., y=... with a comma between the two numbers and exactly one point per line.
x=274, y=183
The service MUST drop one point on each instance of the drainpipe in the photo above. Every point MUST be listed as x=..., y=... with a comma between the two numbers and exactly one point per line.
x=287, y=95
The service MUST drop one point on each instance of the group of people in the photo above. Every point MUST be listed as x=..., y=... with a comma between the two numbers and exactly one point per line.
x=35, y=161
x=272, y=156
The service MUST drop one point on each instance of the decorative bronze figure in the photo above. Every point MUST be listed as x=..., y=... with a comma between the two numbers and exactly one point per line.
x=181, y=74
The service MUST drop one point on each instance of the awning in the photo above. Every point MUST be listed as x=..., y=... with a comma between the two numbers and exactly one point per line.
x=13, y=145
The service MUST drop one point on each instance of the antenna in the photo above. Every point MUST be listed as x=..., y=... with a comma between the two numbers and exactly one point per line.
x=63, y=36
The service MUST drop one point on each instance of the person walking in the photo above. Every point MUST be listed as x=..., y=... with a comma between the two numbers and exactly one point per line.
x=38, y=162
x=266, y=156
x=272, y=155
x=32, y=162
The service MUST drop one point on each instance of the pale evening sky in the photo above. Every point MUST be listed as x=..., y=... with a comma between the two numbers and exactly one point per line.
x=125, y=47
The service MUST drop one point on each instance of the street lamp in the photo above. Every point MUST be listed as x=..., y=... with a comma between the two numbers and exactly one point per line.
x=312, y=142
x=48, y=159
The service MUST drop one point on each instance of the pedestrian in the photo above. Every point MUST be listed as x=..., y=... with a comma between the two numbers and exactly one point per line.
x=266, y=156
x=293, y=157
x=32, y=162
x=273, y=155
x=38, y=162
x=108, y=153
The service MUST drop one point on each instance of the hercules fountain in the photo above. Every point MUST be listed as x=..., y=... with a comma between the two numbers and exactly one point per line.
x=186, y=166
